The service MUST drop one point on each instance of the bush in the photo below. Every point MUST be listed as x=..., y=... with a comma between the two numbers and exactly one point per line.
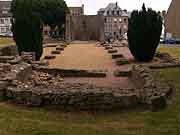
x=26, y=27
x=144, y=32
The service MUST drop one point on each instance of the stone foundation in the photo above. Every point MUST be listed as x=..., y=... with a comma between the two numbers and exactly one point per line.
x=153, y=90
x=8, y=50
x=74, y=97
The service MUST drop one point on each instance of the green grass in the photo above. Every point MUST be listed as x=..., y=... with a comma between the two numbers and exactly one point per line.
x=5, y=41
x=174, y=51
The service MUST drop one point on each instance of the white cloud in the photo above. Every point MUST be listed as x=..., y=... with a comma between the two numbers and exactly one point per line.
x=91, y=6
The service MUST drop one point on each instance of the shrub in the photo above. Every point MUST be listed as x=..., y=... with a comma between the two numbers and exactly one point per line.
x=144, y=32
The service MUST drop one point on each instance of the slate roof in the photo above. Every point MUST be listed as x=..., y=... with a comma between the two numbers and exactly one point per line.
x=5, y=6
x=112, y=7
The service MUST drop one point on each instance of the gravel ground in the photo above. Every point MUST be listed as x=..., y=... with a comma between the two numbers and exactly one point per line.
x=88, y=56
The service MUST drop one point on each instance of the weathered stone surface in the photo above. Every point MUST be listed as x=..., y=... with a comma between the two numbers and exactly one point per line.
x=49, y=57
x=60, y=48
x=112, y=51
x=3, y=86
x=6, y=59
x=8, y=50
x=74, y=97
x=71, y=72
x=108, y=47
x=56, y=52
x=115, y=56
x=123, y=72
x=121, y=61
x=20, y=72
x=154, y=90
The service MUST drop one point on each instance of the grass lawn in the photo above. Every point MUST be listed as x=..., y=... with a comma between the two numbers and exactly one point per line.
x=174, y=51
x=5, y=41
x=16, y=120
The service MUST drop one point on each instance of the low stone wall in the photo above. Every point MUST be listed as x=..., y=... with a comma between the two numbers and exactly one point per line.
x=71, y=72
x=74, y=97
x=153, y=90
x=33, y=85
x=9, y=50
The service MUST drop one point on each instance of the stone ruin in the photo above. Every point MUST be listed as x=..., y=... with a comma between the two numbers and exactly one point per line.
x=35, y=84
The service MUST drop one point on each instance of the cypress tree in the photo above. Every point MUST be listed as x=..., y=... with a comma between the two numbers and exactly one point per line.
x=144, y=32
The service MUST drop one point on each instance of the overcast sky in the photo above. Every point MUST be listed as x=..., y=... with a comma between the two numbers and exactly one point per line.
x=91, y=6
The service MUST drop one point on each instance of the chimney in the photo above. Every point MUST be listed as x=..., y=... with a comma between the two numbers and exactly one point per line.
x=116, y=4
x=83, y=9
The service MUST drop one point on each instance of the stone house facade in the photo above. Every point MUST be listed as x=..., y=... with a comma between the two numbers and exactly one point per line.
x=172, y=20
x=5, y=17
x=76, y=11
x=115, y=21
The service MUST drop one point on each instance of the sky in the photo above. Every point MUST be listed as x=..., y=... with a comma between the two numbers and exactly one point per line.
x=92, y=6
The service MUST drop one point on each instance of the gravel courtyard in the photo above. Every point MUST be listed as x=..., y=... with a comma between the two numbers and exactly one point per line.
x=89, y=56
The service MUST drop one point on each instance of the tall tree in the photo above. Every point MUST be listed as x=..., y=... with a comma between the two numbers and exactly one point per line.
x=26, y=27
x=144, y=32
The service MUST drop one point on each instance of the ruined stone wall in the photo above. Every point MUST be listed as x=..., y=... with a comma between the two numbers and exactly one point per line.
x=8, y=50
x=84, y=28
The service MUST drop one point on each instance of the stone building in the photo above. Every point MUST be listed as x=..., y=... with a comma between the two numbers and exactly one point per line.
x=172, y=20
x=5, y=18
x=84, y=28
x=76, y=11
x=115, y=21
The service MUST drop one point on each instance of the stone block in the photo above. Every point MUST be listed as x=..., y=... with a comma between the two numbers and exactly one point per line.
x=56, y=52
x=123, y=73
x=122, y=61
x=60, y=48
x=158, y=102
x=50, y=57
x=108, y=48
x=115, y=56
x=6, y=59
x=112, y=51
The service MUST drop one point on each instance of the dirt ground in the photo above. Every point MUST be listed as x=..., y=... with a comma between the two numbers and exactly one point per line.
x=89, y=56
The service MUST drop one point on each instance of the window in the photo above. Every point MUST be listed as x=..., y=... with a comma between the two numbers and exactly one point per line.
x=6, y=20
x=125, y=20
x=3, y=30
x=113, y=12
x=107, y=12
x=4, y=12
x=115, y=20
x=117, y=12
x=120, y=20
x=2, y=21
x=105, y=20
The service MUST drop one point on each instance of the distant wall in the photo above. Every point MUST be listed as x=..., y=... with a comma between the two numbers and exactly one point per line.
x=8, y=50
x=172, y=19
x=85, y=27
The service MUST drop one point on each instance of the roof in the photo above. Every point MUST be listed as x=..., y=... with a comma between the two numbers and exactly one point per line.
x=112, y=7
x=5, y=7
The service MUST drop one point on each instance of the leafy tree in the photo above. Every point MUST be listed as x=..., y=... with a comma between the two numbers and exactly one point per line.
x=144, y=32
x=52, y=12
